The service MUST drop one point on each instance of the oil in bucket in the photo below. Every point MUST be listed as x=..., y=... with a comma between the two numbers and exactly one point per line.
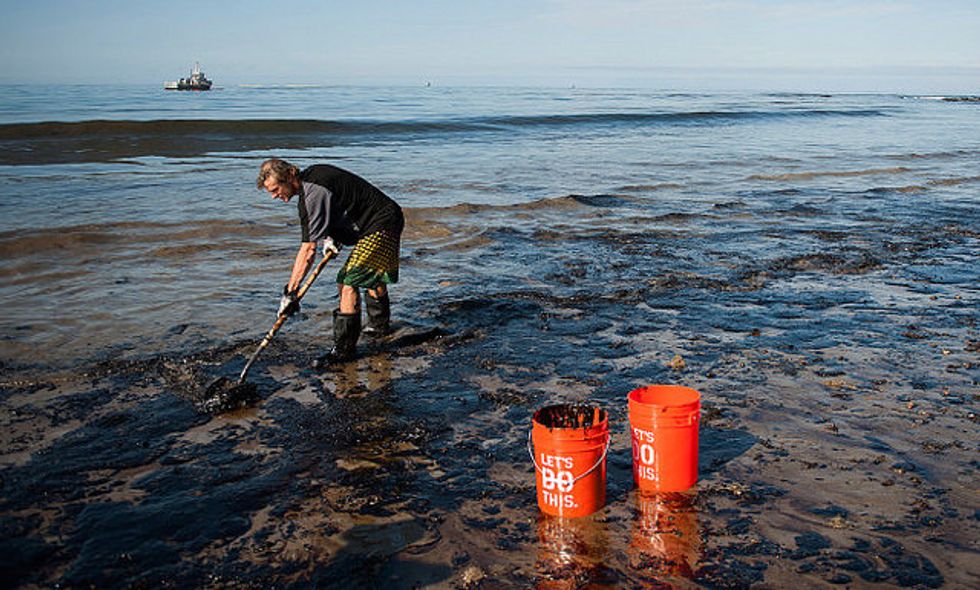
x=570, y=443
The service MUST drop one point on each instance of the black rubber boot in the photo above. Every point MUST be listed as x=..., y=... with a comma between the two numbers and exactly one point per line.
x=378, y=315
x=346, y=329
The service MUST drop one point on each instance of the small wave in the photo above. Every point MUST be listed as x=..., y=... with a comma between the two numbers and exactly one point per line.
x=104, y=141
x=459, y=242
x=677, y=217
x=802, y=210
x=907, y=189
x=280, y=86
x=683, y=117
x=602, y=200
x=245, y=127
x=54, y=142
x=946, y=155
x=943, y=98
x=780, y=192
x=95, y=239
x=841, y=264
x=954, y=181
x=920, y=188
x=452, y=223
x=830, y=173
x=643, y=188
x=182, y=251
x=431, y=186
x=33, y=276
x=798, y=95
x=464, y=209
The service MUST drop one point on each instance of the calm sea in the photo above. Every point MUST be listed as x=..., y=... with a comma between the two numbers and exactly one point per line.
x=131, y=222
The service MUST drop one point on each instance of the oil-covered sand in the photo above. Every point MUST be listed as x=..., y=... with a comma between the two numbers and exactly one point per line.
x=835, y=345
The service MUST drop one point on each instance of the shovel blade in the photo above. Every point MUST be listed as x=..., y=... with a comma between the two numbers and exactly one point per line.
x=223, y=395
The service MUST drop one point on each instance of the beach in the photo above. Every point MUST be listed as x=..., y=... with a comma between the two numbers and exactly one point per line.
x=807, y=262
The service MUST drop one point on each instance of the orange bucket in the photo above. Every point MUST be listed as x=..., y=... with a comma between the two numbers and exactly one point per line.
x=664, y=429
x=569, y=455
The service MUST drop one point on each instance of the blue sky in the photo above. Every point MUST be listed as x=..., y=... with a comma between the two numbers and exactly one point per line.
x=875, y=43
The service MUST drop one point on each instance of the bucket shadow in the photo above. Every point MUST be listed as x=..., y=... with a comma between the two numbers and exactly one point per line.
x=717, y=446
x=378, y=555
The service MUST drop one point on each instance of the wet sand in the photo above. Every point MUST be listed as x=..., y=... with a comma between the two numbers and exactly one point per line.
x=837, y=357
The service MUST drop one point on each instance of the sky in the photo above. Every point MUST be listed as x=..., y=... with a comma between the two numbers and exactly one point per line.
x=916, y=45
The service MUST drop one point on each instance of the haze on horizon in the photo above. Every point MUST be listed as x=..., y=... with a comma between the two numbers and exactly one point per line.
x=807, y=45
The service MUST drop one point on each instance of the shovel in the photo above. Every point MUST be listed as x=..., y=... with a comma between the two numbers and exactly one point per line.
x=224, y=385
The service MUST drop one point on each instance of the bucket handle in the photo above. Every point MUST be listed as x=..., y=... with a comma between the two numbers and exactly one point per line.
x=605, y=451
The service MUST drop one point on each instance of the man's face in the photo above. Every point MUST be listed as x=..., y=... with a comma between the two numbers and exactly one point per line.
x=279, y=190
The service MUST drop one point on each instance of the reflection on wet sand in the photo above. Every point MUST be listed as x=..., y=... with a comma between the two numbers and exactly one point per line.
x=359, y=378
x=379, y=372
x=572, y=552
x=665, y=544
x=665, y=537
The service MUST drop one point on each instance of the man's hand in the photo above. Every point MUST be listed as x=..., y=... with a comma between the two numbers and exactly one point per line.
x=330, y=246
x=288, y=304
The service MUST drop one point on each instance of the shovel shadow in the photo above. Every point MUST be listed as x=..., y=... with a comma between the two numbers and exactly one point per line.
x=381, y=555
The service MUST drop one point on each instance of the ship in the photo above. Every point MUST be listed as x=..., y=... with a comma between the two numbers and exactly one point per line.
x=196, y=81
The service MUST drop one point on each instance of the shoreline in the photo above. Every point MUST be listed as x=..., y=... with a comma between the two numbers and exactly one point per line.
x=816, y=464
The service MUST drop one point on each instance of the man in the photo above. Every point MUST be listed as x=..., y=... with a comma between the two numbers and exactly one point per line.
x=340, y=208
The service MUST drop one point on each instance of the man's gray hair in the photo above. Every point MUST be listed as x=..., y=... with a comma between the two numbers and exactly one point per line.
x=281, y=170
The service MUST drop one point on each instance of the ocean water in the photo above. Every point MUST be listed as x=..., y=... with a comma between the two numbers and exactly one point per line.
x=129, y=210
x=807, y=261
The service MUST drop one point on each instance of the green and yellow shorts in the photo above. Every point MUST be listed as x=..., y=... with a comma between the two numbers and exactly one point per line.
x=373, y=261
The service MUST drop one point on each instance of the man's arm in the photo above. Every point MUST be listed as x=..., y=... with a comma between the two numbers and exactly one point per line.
x=304, y=260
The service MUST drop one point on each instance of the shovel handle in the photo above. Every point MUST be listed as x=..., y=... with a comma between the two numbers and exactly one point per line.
x=283, y=317
x=330, y=255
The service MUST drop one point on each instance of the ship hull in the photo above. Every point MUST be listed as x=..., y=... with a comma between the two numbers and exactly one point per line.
x=186, y=87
